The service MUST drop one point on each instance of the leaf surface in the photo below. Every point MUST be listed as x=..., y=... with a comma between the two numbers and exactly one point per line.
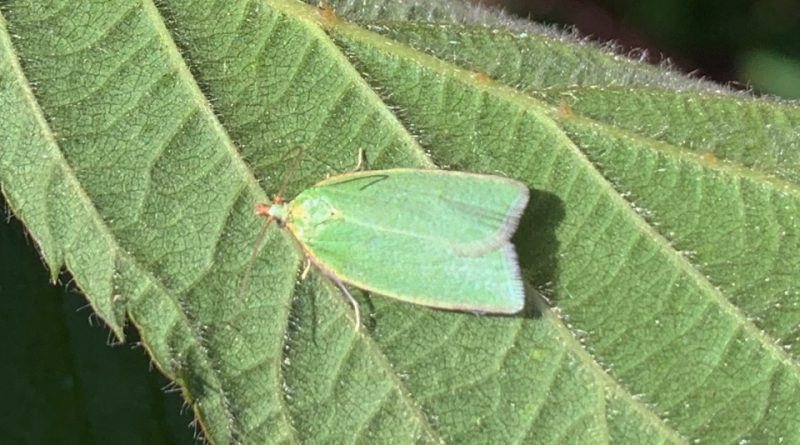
x=662, y=226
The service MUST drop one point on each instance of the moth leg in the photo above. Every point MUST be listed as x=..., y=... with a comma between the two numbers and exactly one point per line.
x=306, y=269
x=353, y=301
x=362, y=159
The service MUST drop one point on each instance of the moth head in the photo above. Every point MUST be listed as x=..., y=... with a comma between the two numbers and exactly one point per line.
x=262, y=209
x=272, y=212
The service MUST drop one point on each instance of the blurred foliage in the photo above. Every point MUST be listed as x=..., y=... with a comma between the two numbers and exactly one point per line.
x=754, y=43
x=772, y=72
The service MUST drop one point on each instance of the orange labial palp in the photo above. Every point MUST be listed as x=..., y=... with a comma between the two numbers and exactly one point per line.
x=262, y=209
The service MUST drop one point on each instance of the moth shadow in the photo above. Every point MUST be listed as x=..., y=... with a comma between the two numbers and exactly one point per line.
x=537, y=249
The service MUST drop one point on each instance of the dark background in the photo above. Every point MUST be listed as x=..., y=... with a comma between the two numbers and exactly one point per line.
x=751, y=44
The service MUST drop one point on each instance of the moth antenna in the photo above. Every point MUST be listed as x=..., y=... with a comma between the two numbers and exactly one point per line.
x=262, y=210
x=353, y=301
x=256, y=250
x=289, y=173
x=304, y=275
x=362, y=159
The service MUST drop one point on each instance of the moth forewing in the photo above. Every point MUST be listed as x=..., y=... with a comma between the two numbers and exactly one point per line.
x=429, y=237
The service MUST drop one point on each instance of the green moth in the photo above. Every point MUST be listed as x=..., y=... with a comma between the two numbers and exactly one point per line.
x=430, y=237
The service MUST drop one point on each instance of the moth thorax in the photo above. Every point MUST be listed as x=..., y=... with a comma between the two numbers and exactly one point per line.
x=278, y=212
x=315, y=210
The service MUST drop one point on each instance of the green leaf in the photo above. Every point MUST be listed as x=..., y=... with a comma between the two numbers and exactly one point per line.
x=663, y=224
